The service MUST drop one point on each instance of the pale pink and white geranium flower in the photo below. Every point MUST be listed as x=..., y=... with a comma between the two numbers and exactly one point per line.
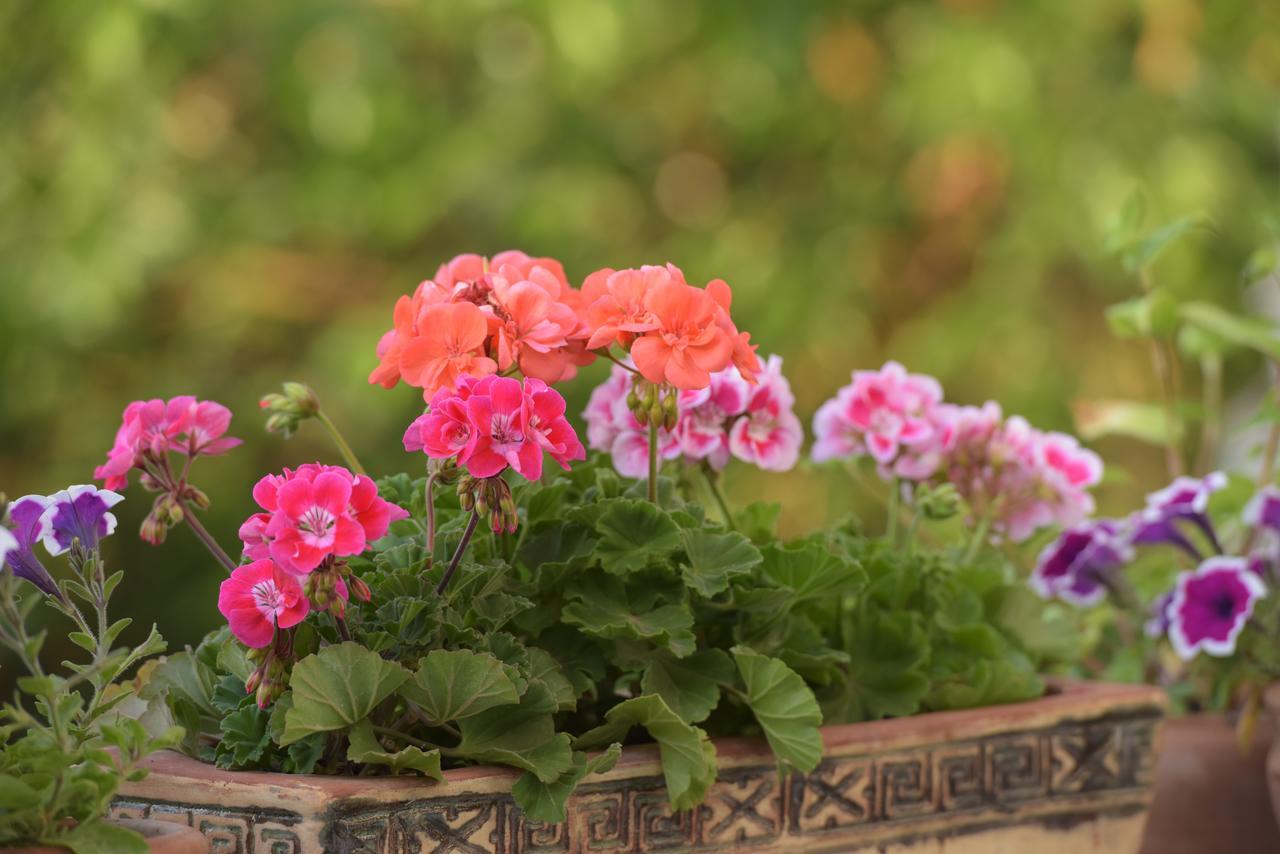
x=883, y=414
x=729, y=418
x=770, y=434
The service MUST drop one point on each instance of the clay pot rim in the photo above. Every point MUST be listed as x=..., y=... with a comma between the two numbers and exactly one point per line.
x=1064, y=699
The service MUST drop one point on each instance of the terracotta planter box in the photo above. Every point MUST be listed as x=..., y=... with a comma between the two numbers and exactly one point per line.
x=1070, y=772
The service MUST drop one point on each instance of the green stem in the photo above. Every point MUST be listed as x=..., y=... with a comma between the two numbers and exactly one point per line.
x=895, y=499
x=618, y=362
x=343, y=448
x=713, y=483
x=431, y=517
x=912, y=528
x=979, y=536
x=457, y=554
x=205, y=537
x=653, y=461
x=402, y=737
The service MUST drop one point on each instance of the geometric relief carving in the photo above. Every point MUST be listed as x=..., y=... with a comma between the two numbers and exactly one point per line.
x=1016, y=768
x=1086, y=758
x=978, y=782
x=838, y=793
x=961, y=776
x=742, y=809
x=906, y=786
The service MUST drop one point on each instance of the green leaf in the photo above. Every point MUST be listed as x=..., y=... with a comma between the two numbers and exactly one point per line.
x=1146, y=422
x=888, y=656
x=811, y=570
x=245, y=737
x=1247, y=332
x=522, y=736
x=454, y=684
x=363, y=747
x=715, y=559
x=633, y=532
x=759, y=521
x=606, y=608
x=544, y=668
x=337, y=687
x=16, y=795
x=1152, y=314
x=545, y=802
x=690, y=686
x=1143, y=252
x=99, y=836
x=784, y=707
x=688, y=756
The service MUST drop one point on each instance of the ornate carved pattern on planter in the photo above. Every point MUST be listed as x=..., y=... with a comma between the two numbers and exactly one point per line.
x=1072, y=772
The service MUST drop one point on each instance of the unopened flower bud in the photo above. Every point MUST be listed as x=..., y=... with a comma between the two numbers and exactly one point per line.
x=633, y=400
x=302, y=399
x=149, y=483
x=255, y=679
x=359, y=589
x=657, y=415
x=939, y=502
x=196, y=497
x=153, y=531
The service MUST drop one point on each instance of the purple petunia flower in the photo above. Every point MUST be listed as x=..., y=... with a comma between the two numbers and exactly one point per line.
x=1211, y=605
x=27, y=516
x=1186, y=499
x=1074, y=566
x=78, y=513
x=1158, y=625
x=1263, y=510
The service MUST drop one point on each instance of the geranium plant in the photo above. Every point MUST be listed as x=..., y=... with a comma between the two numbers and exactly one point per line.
x=490, y=608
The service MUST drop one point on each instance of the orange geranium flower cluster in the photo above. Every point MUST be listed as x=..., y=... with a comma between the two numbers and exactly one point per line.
x=480, y=316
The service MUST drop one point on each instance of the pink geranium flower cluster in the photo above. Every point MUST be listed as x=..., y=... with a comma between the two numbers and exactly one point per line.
x=310, y=519
x=151, y=429
x=729, y=418
x=1020, y=478
x=495, y=423
x=490, y=425
x=480, y=316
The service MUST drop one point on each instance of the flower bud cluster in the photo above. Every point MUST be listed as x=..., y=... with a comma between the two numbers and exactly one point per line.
x=489, y=498
x=288, y=410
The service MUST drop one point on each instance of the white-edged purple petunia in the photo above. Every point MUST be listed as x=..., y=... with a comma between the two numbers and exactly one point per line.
x=27, y=514
x=1263, y=510
x=1074, y=567
x=1186, y=499
x=1211, y=605
x=78, y=513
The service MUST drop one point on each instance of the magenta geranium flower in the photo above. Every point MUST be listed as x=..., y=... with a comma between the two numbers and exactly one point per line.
x=1211, y=605
x=78, y=513
x=259, y=597
x=27, y=516
x=315, y=512
x=150, y=429
x=883, y=414
x=312, y=522
x=1074, y=567
x=495, y=423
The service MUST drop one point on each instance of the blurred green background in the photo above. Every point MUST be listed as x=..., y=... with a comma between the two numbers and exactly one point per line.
x=208, y=198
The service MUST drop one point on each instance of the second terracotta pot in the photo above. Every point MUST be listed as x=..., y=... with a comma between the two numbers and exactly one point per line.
x=1210, y=797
